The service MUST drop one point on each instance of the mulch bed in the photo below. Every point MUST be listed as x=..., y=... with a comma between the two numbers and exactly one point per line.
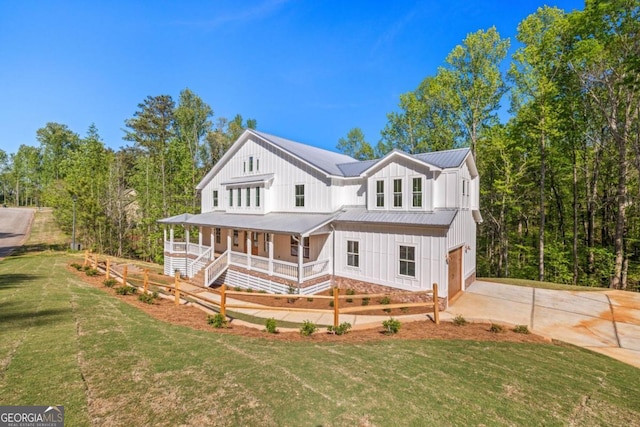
x=190, y=316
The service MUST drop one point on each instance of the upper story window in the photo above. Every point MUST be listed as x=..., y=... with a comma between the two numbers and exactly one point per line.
x=353, y=253
x=300, y=195
x=407, y=261
x=239, y=197
x=251, y=164
x=248, y=190
x=215, y=198
x=258, y=197
x=417, y=193
x=230, y=197
x=380, y=194
x=397, y=193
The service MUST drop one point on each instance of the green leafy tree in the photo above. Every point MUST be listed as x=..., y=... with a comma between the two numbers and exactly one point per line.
x=354, y=145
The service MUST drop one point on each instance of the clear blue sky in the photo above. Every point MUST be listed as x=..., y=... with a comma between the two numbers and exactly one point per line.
x=307, y=70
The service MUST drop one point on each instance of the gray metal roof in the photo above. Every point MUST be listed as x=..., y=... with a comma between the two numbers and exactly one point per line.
x=178, y=219
x=354, y=169
x=444, y=159
x=439, y=218
x=286, y=223
x=324, y=160
x=258, y=179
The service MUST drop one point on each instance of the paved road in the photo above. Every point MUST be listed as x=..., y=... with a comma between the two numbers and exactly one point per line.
x=14, y=224
x=607, y=322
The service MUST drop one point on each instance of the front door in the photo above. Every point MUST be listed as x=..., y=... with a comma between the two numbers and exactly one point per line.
x=254, y=244
x=455, y=272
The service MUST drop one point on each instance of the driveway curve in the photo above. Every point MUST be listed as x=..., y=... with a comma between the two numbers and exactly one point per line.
x=607, y=322
x=14, y=228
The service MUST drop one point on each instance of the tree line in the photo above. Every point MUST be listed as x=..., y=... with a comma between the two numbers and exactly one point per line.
x=559, y=180
x=120, y=195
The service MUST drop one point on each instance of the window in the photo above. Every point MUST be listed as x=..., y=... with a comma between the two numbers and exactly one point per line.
x=257, y=164
x=353, y=253
x=251, y=164
x=408, y=261
x=215, y=198
x=417, y=192
x=239, y=197
x=244, y=166
x=267, y=239
x=397, y=193
x=258, y=197
x=305, y=247
x=235, y=238
x=300, y=195
x=248, y=197
x=218, y=236
x=230, y=197
x=380, y=194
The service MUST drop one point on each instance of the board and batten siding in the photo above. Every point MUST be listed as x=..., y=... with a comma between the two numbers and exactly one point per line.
x=463, y=233
x=379, y=257
x=280, y=196
x=406, y=171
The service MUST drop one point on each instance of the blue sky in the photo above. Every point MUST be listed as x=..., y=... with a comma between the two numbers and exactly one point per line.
x=305, y=70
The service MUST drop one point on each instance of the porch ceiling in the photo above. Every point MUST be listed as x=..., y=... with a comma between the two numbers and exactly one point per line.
x=280, y=223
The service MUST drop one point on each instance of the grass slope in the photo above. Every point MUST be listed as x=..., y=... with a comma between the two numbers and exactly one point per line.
x=64, y=342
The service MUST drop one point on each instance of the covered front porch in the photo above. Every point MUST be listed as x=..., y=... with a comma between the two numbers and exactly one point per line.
x=262, y=259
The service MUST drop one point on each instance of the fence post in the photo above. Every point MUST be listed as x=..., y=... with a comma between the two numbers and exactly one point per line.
x=86, y=258
x=108, y=273
x=336, y=309
x=223, y=299
x=146, y=280
x=124, y=275
x=177, y=288
x=436, y=304
x=96, y=260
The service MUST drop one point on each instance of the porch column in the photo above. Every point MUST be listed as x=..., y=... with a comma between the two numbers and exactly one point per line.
x=164, y=232
x=213, y=244
x=200, y=240
x=171, y=238
x=300, y=259
x=186, y=251
x=269, y=236
x=229, y=231
x=248, y=248
x=186, y=239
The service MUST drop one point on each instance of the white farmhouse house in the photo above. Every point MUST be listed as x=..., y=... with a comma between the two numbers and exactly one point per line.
x=281, y=216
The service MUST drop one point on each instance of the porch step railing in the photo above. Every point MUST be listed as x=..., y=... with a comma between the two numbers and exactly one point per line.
x=216, y=268
x=198, y=264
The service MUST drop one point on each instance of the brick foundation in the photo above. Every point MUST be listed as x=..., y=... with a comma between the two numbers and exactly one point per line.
x=280, y=280
x=469, y=280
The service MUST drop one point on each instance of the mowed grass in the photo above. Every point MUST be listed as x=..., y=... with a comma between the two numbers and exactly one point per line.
x=65, y=342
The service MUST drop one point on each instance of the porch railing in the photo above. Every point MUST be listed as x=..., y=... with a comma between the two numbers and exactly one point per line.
x=315, y=269
x=198, y=264
x=216, y=268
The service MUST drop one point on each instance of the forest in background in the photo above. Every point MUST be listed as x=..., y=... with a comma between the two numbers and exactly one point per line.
x=559, y=180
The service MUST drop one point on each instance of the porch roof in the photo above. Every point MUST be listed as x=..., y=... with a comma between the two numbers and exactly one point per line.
x=439, y=218
x=178, y=219
x=281, y=223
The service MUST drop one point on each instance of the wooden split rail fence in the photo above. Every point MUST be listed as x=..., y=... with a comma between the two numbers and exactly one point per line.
x=177, y=290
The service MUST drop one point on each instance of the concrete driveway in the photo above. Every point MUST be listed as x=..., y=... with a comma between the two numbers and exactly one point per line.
x=14, y=227
x=607, y=322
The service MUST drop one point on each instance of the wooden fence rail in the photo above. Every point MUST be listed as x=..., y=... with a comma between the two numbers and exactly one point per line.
x=177, y=289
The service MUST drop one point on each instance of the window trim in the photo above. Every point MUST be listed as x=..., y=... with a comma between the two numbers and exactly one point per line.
x=239, y=197
x=248, y=196
x=379, y=195
x=353, y=254
x=305, y=247
x=299, y=198
x=250, y=163
x=397, y=194
x=257, y=197
x=218, y=235
x=236, y=238
x=407, y=261
x=231, y=197
x=214, y=197
x=419, y=193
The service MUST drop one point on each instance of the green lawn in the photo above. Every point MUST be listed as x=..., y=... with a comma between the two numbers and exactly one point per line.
x=64, y=342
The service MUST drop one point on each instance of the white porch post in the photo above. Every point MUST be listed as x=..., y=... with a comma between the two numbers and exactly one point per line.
x=248, y=248
x=200, y=240
x=213, y=244
x=186, y=238
x=300, y=258
x=229, y=231
x=171, y=238
x=269, y=236
x=164, y=232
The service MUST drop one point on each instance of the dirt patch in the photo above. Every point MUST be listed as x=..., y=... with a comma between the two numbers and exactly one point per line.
x=195, y=318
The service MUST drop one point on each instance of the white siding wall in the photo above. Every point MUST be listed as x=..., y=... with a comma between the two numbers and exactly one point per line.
x=379, y=258
x=463, y=233
x=406, y=171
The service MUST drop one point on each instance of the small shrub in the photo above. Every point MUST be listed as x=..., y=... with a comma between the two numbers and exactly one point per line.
x=331, y=303
x=148, y=298
x=308, y=328
x=237, y=288
x=341, y=329
x=271, y=326
x=385, y=301
x=126, y=290
x=262, y=291
x=404, y=309
x=76, y=266
x=521, y=329
x=291, y=291
x=392, y=326
x=350, y=292
x=249, y=290
x=217, y=321
x=366, y=300
x=110, y=283
x=459, y=320
x=495, y=328
x=86, y=267
x=310, y=299
x=91, y=272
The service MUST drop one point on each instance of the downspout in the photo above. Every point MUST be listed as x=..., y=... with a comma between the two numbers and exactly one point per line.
x=333, y=255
